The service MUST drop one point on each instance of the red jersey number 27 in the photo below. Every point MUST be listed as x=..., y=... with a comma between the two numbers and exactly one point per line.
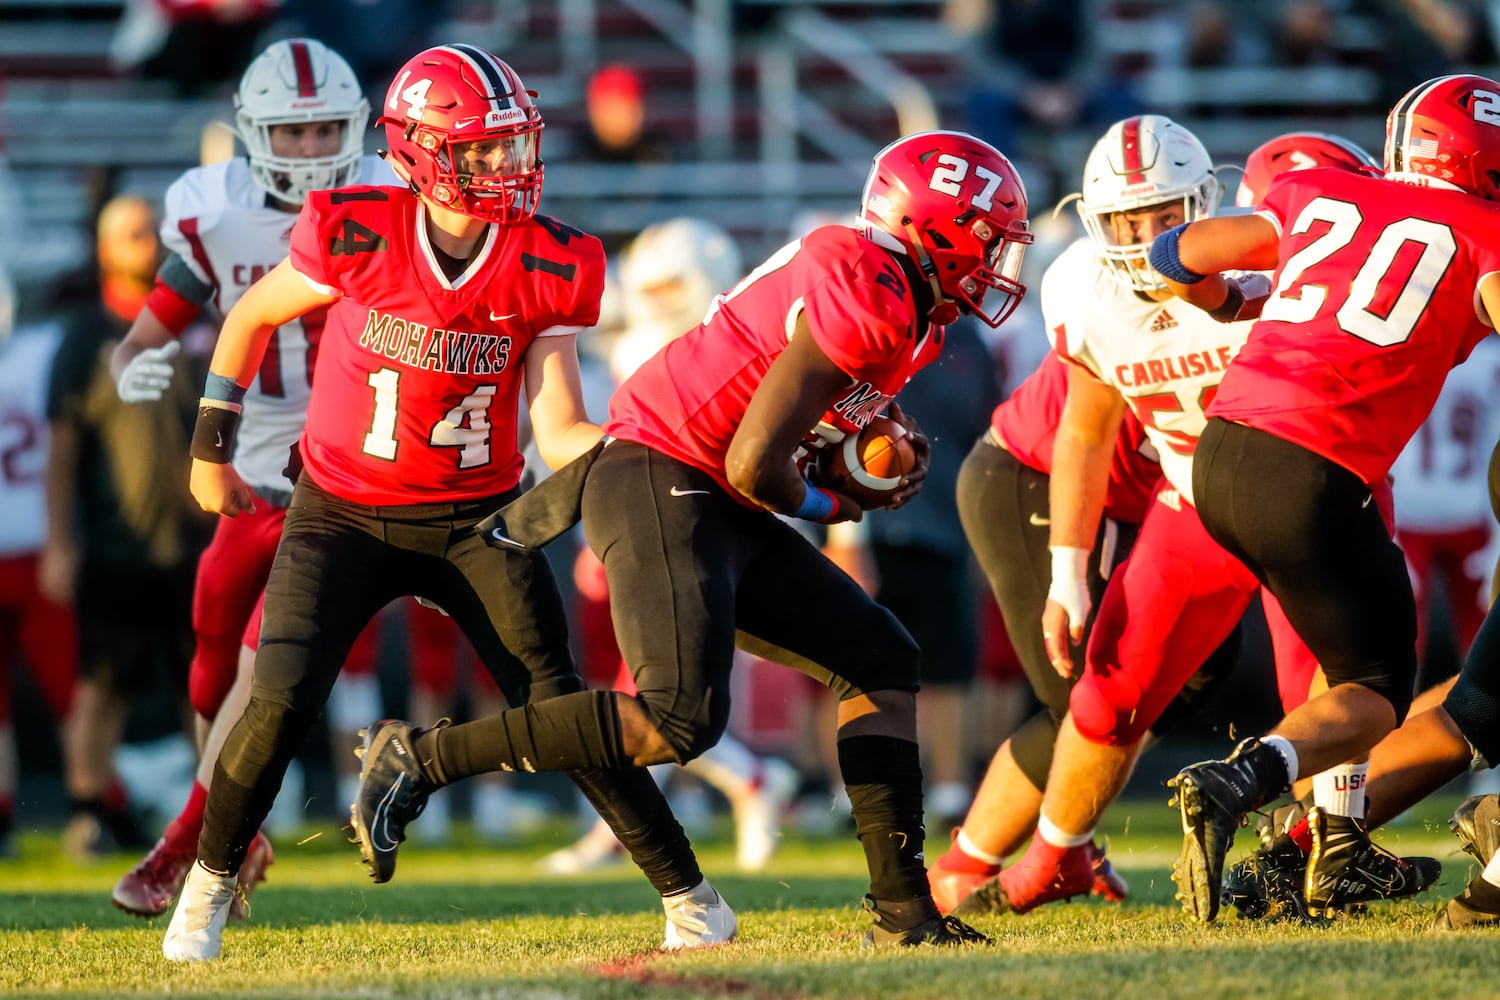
x=1385, y=301
x=466, y=425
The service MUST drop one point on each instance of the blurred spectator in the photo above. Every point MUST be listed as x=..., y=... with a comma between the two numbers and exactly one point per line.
x=1421, y=39
x=619, y=127
x=374, y=36
x=199, y=46
x=1036, y=71
x=122, y=535
x=32, y=625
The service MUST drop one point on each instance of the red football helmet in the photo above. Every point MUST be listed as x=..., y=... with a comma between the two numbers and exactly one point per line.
x=1297, y=151
x=958, y=208
x=462, y=124
x=1447, y=131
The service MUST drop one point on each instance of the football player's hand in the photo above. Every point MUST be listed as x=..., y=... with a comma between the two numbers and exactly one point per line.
x=1068, y=604
x=57, y=569
x=219, y=489
x=148, y=374
x=923, y=449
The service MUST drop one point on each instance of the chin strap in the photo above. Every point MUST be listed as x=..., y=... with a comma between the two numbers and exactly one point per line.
x=928, y=269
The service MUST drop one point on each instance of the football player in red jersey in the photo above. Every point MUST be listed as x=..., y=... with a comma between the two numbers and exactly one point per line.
x=1297, y=151
x=709, y=437
x=445, y=300
x=1381, y=285
x=301, y=115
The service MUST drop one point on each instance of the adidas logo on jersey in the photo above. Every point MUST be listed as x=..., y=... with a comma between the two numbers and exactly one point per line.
x=1171, y=498
x=1163, y=321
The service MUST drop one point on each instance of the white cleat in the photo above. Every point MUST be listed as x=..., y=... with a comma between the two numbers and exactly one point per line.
x=196, y=933
x=598, y=848
x=698, y=918
x=758, y=815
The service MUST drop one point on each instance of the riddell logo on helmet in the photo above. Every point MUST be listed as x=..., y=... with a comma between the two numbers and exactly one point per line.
x=509, y=116
x=306, y=105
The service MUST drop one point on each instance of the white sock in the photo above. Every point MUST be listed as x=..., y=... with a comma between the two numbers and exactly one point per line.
x=729, y=766
x=1340, y=790
x=1058, y=837
x=1288, y=753
x=974, y=851
x=1491, y=873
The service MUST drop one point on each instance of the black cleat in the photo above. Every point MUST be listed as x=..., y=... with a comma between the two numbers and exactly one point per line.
x=1268, y=885
x=1462, y=915
x=1345, y=867
x=937, y=931
x=393, y=791
x=987, y=898
x=1476, y=823
x=1213, y=798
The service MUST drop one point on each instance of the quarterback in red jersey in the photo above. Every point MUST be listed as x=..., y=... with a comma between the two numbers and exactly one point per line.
x=1381, y=286
x=709, y=441
x=444, y=298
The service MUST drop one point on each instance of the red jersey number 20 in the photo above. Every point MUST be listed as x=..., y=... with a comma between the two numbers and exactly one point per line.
x=1390, y=290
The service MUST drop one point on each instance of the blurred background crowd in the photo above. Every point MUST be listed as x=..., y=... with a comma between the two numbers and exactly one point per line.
x=757, y=119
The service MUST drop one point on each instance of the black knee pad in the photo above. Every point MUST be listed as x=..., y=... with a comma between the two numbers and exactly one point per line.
x=688, y=730
x=1031, y=746
x=1475, y=710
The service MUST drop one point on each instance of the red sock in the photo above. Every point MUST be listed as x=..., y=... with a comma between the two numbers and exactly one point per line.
x=115, y=797
x=1047, y=872
x=957, y=861
x=1301, y=835
x=182, y=832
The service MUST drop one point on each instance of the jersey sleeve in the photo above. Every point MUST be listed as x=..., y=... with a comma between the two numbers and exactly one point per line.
x=859, y=315
x=307, y=243
x=193, y=206
x=1065, y=291
x=579, y=289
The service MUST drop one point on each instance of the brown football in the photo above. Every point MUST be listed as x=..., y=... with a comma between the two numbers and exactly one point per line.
x=868, y=466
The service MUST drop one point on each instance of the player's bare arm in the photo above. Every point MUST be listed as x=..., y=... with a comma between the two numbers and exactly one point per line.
x=1191, y=257
x=558, y=421
x=282, y=295
x=146, y=333
x=788, y=403
x=1081, y=457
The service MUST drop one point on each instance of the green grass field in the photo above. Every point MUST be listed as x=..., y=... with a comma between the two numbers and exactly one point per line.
x=481, y=922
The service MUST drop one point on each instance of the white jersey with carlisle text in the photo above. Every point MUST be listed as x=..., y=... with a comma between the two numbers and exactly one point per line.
x=1165, y=358
x=25, y=363
x=217, y=221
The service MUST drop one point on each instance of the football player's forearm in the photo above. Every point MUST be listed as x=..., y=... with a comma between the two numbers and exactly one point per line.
x=1079, y=483
x=147, y=331
x=560, y=446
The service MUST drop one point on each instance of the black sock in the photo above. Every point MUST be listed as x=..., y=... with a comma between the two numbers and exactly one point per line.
x=883, y=776
x=635, y=809
x=572, y=732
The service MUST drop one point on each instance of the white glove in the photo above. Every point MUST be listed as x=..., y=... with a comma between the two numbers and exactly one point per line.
x=429, y=604
x=1070, y=583
x=148, y=374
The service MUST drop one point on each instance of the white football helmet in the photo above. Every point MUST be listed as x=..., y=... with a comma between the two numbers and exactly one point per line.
x=672, y=271
x=300, y=80
x=1143, y=162
x=669, y=277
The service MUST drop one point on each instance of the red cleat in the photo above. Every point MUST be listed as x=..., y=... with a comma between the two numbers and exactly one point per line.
x=955, y=876
x=149, y=888
x=1107, y=882
x=1046, y=874
x=252, y=872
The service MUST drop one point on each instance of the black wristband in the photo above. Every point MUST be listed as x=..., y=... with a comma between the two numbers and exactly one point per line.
x=213, y=434
x=1230, y=308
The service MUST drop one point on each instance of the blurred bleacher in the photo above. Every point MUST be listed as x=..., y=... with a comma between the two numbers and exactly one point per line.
x=767, y=123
